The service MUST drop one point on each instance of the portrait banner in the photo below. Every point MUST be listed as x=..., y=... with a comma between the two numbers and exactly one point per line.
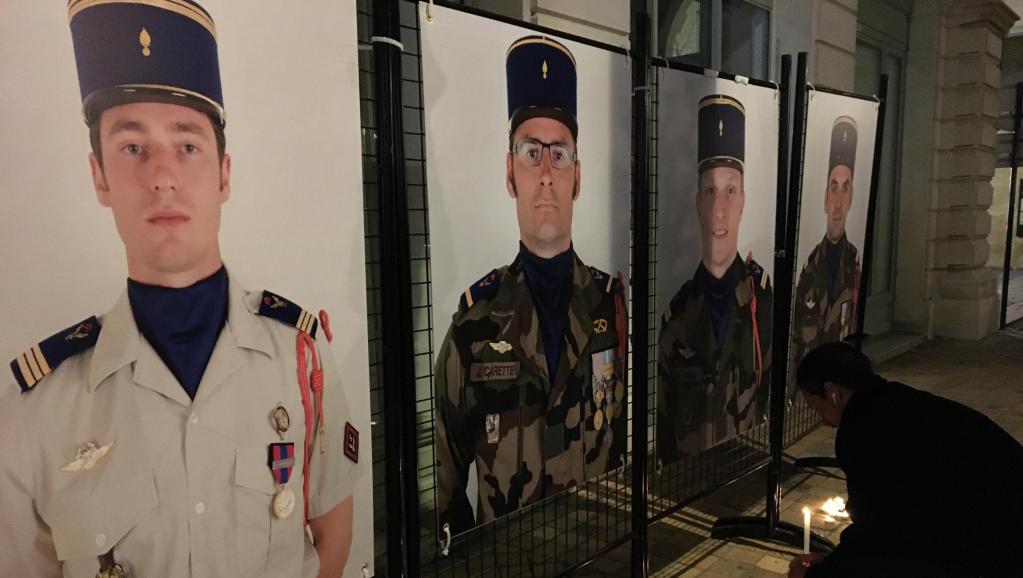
x=837, y=171
x=716, y=202
x=528, y=191
x=292, y=224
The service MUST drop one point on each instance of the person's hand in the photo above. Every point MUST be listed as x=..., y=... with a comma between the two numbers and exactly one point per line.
x=801, y=563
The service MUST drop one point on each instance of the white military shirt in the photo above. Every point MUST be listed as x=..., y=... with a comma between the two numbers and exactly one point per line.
x=185, y=489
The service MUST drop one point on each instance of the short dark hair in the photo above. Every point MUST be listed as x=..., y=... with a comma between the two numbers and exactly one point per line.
x=837, y=362
x=97, y=148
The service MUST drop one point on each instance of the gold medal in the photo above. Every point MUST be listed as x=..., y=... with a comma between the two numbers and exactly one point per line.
x=598, y=420
x=599, y=397
x=283, y=503
x=620, y=391
x=280, y=420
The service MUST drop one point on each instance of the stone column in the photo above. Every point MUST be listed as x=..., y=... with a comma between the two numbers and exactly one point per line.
x=952, y=81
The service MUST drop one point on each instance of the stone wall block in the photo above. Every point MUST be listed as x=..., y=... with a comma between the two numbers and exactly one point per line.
x=966, y=318
x=852, y=5
x=835, y=67
x=942, y=169
x=959, y=253
x=967, y=283
x=966, y=131
x=964, y=194
x=975, y=40
x=975, y=68
x=968, y=222
x=839, y=22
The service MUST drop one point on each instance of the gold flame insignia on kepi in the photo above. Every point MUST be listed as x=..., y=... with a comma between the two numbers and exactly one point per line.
x=145, y=40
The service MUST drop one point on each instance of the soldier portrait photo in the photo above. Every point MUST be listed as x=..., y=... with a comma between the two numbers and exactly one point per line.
x=184, y=422
x=828, y=291
x=529, y=382
x=714, y=342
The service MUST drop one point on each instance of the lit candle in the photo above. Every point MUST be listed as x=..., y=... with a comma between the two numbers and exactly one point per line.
x=806, y=530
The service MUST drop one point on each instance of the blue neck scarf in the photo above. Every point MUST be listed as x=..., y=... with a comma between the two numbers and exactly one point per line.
x=720, y=296
x=550, y=285
x=182, y=325
x=832, y=255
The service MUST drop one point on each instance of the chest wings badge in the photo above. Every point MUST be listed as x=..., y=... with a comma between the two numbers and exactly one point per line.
x=88, y=455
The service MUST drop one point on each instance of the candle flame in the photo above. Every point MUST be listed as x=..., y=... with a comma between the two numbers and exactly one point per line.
x=806, y=511
x=835, y=507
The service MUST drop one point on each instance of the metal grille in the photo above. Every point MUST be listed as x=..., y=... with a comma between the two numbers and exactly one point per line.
x=562, y=532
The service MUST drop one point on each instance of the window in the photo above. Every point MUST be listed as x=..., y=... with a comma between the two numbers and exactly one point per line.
x=729, y=35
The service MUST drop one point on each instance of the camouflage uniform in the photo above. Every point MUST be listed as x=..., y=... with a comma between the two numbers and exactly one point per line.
x=820, y=317
x=529, y=436
x=709, y=392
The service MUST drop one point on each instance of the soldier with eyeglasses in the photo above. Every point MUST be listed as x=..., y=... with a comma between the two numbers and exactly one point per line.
x=530, y=381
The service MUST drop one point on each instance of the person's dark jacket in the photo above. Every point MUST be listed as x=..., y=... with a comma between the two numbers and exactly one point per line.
x=935, y=489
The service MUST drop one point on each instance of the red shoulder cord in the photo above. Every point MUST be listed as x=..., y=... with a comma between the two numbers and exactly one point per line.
x=756, y=331
x=308, y=395
x=308, y=392
x=325, y=324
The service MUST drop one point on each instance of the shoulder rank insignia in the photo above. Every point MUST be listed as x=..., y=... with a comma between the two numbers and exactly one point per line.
x=602, y=279
x=760, y=276
x=485, y=288
x=277, y=307
x=31, y=367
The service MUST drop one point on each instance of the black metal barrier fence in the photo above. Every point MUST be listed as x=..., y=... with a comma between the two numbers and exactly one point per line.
x=563, y=532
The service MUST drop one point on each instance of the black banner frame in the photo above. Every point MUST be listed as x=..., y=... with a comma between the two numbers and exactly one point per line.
x=857, y=339
x=640, y=281
x=409, y=544
x=399, y=372
x=783, y=89
x=1012, y=218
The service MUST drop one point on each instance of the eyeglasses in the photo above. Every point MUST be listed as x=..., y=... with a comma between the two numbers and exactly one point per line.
x=530, y=151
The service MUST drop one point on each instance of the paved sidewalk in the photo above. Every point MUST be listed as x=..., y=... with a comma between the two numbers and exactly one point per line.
x=984, y=375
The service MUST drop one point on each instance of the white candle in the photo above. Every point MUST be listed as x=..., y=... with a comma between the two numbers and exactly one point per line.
x=806, y=530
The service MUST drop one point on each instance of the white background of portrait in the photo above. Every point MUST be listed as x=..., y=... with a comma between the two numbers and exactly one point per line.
x=822, y=110
x=293, y=224
x=473, y=225
x=679, y=246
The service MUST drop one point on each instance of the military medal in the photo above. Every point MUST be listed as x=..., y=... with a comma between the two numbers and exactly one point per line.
x=109, y=568
x=598, y=420
x=280, y=419
x=282, y=460
x=493, y=426
x=115, y=571
x=620, y=391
